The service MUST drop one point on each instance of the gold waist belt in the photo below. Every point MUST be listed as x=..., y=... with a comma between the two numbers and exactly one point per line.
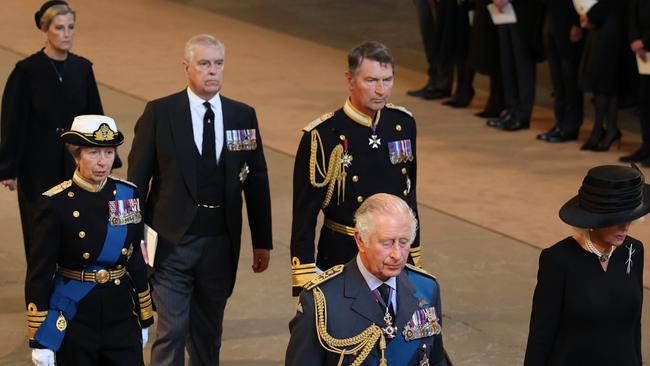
x=339, y=228
x=99, y=276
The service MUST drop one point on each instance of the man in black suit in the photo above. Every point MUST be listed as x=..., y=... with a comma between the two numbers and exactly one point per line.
x=197, y=151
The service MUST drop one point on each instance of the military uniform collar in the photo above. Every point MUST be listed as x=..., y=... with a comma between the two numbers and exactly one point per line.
x=85, y=184
x=358, y=116
x=372, y=281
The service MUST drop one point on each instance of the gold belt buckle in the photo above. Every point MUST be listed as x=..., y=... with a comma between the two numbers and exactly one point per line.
x=102, y=276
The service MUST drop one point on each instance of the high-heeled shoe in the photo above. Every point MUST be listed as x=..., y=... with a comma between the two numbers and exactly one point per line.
x=594, y=139
x=606, y=142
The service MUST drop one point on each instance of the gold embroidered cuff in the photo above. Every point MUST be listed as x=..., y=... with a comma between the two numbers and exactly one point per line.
x=146, y=308
x=339, y=228
x=301, y=273
x=416, y=255
x=34, y=319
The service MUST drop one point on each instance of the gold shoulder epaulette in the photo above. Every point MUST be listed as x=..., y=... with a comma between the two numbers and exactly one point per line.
x=318, y=121
x=58, y=188
x=325, y=276
x=399, y=108
x=123, y=181
x=420, y=270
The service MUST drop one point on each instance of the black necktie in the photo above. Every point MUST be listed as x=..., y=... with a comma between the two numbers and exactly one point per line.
x=208, y=151
x=384, y=291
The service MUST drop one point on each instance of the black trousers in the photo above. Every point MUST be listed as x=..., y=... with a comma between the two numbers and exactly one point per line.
x=190, y=289
x=564, y=66
x=441, y=73
x=517, y=72
x=26, y=206
x=106, y=329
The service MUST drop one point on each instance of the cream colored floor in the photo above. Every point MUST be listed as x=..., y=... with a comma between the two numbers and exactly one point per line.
x=490, y=197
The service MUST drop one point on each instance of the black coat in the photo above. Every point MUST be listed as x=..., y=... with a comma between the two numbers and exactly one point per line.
x=639, y=21
x=451, y=36
x=69, y=231
x=163, y=155
x=34, y=105
x=370, y=171
x=530, y=23
x=484, y=41
x=560, y=17
x=583, y=315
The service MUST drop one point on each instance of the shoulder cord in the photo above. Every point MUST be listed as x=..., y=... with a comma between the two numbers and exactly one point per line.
x=333, y=173
x=363, y=342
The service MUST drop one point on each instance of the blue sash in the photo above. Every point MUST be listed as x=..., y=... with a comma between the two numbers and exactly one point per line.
x=66, y=296
x=399, y=351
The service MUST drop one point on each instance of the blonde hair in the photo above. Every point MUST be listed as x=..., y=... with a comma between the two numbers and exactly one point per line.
x=382, y=203
x=53, y=11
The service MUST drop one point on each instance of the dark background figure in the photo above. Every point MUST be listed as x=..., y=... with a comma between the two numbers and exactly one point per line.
x=603, y=69
x=563, y=42
x=520, y=47
x=484, y=57
x=440, y=74
x=588, y=300
x=453, y=46
x=639, y=39
x=198, y=151
x=44, y=93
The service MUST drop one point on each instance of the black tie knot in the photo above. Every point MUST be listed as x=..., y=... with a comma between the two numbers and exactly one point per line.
x=209, y=114
x=384, y=291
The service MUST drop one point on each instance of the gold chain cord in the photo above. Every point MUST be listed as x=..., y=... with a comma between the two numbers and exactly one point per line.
x=362, y=342
x=332, y=175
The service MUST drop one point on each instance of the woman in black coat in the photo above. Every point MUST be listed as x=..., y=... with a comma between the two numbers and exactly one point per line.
x=44, y=92
x=587, y=303
x=602, y=68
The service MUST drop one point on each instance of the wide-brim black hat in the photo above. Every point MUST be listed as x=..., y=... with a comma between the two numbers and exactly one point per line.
x=93, y=130
x=48, y=4
x=609, y=195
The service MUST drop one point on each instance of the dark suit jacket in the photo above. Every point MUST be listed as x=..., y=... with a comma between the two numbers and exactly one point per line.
x=639, y=21
x=351, y=308
x=162, y=159
x=560, y=17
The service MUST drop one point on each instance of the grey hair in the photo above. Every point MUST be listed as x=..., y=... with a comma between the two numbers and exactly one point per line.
x=53, y=11
x=74, y=150
x=372, y=50
x=204, y=40
x=382, y=203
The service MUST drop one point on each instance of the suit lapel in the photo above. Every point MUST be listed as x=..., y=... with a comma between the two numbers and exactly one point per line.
x=364, y=302
x=183, y=138
x=407, y=302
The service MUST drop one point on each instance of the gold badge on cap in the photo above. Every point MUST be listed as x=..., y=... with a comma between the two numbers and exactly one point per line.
x=104, y=133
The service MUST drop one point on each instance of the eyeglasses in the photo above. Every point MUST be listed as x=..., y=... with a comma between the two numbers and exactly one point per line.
x=205, y=65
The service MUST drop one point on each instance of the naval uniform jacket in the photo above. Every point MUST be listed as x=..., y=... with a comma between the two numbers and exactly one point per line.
x=69, y=231
x=368, y=171
x=164, y=153
x=351, y=308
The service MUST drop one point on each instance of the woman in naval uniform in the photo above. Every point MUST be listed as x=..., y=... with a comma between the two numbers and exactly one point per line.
x=86, y=291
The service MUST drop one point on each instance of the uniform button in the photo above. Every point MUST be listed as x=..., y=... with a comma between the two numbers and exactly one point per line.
x=406, y=193
x=86, y=255
x=114, y=192
x=82, y=234
x=124, y=251
x=75, y=213
x=355, y=178
x=359, y=199
x=342, y=137
x=398, y=127
x=117, y=282
x=119, y=266
x=404, y=171
x=70, y=194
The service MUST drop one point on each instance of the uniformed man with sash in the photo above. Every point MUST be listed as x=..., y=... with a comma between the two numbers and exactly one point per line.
x=366, y=147
x=376, y=309
x=86, y=291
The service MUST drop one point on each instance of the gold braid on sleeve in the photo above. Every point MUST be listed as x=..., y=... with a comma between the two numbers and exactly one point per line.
x=361, y=344
x=332, y=174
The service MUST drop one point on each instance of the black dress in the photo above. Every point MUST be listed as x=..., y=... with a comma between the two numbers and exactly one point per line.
x=583, y=315
x=42, y=95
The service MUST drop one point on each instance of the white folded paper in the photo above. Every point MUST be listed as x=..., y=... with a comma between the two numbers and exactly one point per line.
x=506, y=16
x=583, y=6
x=644, y=66
x=151, y=238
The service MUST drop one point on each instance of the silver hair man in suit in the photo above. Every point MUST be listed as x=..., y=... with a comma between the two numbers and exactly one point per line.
x=376, y=309
x=196, y=151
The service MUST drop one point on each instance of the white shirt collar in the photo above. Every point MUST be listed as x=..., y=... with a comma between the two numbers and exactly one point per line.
x=195, y=100
x=372, y=281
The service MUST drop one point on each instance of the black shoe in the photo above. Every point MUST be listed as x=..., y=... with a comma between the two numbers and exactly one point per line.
x=642, y=154
x=606, y=142
x=561, y=136
x=501, y=121
x=544, y=136
x=460, y=101
x=488, y=114
x=594, y=138
x=516, y=124
x=436, y=94
x=427, y=89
